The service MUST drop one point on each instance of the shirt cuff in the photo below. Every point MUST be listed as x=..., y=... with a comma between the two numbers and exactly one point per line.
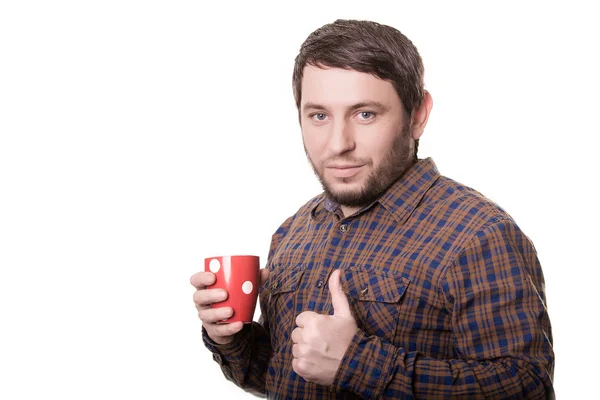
x=229, y=350
x=367, y=367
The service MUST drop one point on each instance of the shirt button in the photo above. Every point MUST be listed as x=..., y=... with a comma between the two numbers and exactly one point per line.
x=320, y=284
x=343, y=227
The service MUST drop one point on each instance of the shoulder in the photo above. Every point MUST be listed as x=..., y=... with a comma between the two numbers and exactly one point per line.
x=464, y=205
x=458, y=217
x=301, y=214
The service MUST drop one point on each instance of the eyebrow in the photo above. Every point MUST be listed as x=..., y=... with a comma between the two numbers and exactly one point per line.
x=352, y=108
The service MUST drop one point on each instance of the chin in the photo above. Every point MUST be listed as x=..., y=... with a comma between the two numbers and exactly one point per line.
x=344, y=188
x=346, y=195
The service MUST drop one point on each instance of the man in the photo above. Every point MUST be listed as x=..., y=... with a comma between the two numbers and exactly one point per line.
x=396, y=282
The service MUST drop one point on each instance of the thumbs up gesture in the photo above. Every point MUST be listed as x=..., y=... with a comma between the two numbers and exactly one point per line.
x=320, y=341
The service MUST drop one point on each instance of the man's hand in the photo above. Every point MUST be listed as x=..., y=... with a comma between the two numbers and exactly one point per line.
x=320, y=341
x=203, y=298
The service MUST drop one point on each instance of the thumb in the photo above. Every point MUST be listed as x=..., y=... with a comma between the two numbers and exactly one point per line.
x=341, y=307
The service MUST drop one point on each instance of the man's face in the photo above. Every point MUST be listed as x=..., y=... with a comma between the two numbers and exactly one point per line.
x=356, y=133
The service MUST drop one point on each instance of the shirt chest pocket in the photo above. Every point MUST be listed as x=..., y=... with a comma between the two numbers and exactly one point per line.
x=282, y=304
x=375, y=300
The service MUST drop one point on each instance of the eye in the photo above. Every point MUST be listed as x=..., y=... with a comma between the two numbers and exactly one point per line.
x=365, y=115
x=319, y=116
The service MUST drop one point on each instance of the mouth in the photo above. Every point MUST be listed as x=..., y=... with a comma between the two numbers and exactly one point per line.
x=344, y=170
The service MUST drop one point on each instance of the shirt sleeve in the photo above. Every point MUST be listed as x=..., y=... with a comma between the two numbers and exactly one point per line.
x=244, y=361
x=494, y=290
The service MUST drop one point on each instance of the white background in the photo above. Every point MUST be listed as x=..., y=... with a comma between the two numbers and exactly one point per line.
x=138, y=137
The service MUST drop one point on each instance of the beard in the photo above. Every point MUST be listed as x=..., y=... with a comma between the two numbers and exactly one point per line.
x=396, y=161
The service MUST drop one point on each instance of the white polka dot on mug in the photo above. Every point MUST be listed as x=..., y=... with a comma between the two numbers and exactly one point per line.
x=239, y=275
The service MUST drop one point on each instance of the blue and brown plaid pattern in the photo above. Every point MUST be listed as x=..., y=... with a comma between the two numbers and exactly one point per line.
x=447, y=291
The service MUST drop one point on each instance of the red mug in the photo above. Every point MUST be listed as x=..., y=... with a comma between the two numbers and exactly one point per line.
x=240, y=277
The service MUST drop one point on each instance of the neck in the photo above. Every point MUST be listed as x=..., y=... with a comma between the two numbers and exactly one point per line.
x=348, y=211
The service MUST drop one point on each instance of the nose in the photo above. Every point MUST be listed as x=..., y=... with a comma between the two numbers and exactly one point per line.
x=341, y=138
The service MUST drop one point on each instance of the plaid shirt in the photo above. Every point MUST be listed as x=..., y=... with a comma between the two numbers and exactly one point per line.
x=447, y=292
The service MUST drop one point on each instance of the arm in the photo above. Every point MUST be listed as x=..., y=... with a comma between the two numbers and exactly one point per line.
x=244, y=360
x=495, y=292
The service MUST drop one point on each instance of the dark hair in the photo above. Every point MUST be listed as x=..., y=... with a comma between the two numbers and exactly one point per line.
x=365, y=46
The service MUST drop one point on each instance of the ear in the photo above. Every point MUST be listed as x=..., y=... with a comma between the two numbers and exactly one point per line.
x=421, y=115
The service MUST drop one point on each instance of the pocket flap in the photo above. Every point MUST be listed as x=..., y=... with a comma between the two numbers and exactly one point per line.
x=369, y=286
x=285, y=280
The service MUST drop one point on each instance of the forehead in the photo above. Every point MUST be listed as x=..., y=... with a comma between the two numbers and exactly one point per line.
x=344, y=87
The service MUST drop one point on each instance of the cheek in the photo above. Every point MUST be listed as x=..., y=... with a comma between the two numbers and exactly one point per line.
x=374, y=151
x=314, y=143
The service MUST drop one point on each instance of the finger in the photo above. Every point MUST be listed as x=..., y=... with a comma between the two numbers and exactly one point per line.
x=341, y=307
x=206, y=297
x=213, y=315
x=297, y=335
x=295, y=365
x=200, y=280
x=223, y=330
x=300, y=367
x=303, y=318
x=264, y=275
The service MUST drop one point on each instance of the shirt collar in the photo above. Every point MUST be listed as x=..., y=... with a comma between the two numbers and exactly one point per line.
x=406, y=193
x=401, y=198
x=323, y=205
